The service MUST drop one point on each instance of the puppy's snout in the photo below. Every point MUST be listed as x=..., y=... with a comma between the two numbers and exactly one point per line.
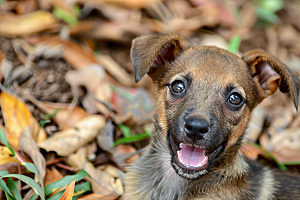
x=196, y=128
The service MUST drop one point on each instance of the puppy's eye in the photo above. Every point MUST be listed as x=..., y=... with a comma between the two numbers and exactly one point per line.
x=178, y=87
x=235, y=99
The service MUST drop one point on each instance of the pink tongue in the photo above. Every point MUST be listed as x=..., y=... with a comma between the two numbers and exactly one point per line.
x=192, y=156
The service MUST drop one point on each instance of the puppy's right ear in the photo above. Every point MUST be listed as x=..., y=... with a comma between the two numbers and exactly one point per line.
x=150, y=53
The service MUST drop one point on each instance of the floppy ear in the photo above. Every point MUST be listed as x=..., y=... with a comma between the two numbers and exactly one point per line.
x=150, y=53
x=269, y=74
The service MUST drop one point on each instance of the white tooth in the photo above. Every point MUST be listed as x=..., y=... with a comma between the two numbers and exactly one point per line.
x=179, y=157
x=180, y=145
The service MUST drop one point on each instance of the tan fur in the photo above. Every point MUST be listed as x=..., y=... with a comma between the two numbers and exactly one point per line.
x=210, y=75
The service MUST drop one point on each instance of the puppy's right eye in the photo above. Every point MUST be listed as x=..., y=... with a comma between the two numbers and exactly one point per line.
x=178, y=87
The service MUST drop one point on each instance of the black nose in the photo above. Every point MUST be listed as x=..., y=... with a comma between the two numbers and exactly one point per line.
x=196, y=128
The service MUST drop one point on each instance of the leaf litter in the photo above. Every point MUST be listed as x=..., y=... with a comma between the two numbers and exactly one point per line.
x=69, y=101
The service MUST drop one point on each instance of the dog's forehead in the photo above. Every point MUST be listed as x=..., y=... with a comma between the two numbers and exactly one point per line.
x=210, y=58
x=211, y=63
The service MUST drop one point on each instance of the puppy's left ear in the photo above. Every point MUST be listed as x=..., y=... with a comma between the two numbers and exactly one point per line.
x=269, y=74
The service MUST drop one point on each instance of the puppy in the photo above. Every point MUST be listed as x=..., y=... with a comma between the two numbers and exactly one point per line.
x=205, y=96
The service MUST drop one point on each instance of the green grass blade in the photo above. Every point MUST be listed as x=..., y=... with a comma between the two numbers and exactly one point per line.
x=82, y=188
x=234, y=44
x=125, y=130
x=5, y=142
x=30, y=167
x=5, y=189
x=33, y=197
x=65, y=181
x=46, y=118
x=271, y=5
x=131, y=138
x=293, y=163
x=267, y=15
x=13, y=188
x=78, y=191
x=28, y=181
x=69, y=18
x=3, y=186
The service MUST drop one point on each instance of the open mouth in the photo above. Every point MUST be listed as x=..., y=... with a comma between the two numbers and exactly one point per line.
x=190, y=161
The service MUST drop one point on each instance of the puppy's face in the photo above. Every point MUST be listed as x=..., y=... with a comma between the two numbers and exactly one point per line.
x=204, y=101
x=205, y=96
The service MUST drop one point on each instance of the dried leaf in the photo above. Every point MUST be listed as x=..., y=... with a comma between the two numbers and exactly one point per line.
x=27, y=24
x=28, y=6
x=17, y=117
x=113, y=171
x=68, y=141
x=95, y=196
x=101, y=182
x=115, y=70
x=133, y=3
x=6, y=156
x=288, y=139
x=12, y=167
x=73, y=53
x=123, y=154
x=90, y=77
x=106, y=138
x=66, y=118
x=28, y=145
x=78, y=159
x=251, y=151
x=94, y=79
x=52, y=175
x=256, y=123
x=68, y=194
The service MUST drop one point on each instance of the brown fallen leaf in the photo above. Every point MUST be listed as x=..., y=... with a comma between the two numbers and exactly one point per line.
x=7, y=67
x=29, y=146
x=95, y=196
x=78, y=159
x=124, y=154
x=52, y=175
x=281, y=119
x=89, y=77
x=288, y=139
x=66, y=118
x=6, y=156
x=101, y=182
x=112, y=171
x=95, y=80
x=68, y=141
x=256, y=124
x=132, y=3
x=76, y=55
x=27, y=24
x=115, y=70
x=68, y=194
x=17, y=117
x=105, y=139
x=251, y=151
x=12, y=167
x=25, y=7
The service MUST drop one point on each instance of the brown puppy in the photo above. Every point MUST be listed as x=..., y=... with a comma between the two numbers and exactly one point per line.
x=204, y=99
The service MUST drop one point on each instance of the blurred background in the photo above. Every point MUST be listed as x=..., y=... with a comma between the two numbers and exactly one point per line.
x=70, y=109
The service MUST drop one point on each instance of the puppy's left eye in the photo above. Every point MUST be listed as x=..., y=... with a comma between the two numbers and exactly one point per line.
x=178, y=87
x=235, y=99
